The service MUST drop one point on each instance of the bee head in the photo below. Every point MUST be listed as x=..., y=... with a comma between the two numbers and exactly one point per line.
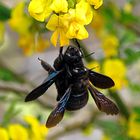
x=73, y=54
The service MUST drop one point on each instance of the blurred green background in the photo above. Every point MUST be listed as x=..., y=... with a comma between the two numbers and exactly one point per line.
x=113, y=36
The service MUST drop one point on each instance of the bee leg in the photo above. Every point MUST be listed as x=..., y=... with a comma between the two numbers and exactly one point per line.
x=59, y=63
x=57, y=114
x=79, y=46
x=77, y=43
x=61, y=54
x=60, y=50
x=46, y=66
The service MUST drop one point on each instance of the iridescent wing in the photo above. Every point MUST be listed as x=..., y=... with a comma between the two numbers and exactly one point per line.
x=43, y=87
x=58, y=113
x=100, y=80
x=103, y=103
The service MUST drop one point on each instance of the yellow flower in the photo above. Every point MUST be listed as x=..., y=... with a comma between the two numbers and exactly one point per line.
x=115, y=68
x=134, y=126
x=2, y=31
x=110, y=44
x=38, y=131
x=19, y=21
x=76, y=30
x=59, y=6
x=40, y=9
x=105, y=137
x=3, y=134
x=94, y=65
x=32, y=44
x=96, y=3
x=128, y=7
x=84, y=11
x=77, y=19
x=68, y=18
x=59, y=25
x=17, y=132
x=98, y=23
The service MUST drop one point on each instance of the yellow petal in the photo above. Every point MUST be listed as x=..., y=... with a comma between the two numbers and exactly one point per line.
x=38, y=131
x=89, y=14
x=63, y=39
x=59, y=25
x=96, y=3
x=19, y=21
x=17, y=132
x=110, y=40
x=77, y=31
x=53, y=22
x=128, y=7
x=134, y=126
x=40, y=9
x=84, y=12
x=59, y=6
x=3, y=134
x=116, y=69
x=54, y=37
x=18, y=10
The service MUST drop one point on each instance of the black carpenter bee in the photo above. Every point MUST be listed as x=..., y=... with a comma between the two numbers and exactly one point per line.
x=73, y=81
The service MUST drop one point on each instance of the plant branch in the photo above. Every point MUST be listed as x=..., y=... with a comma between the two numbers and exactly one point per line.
x=24, y=89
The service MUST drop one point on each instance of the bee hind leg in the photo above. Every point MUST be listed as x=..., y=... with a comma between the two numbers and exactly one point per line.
x=46, y=66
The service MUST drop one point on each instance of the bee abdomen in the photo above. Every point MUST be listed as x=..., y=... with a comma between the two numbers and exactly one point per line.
x=77, y=101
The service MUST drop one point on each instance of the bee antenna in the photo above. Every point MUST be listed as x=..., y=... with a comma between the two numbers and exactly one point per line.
x=94, y=68
x=89, y=54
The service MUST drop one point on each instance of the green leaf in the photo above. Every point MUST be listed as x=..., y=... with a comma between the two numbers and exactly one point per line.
x=71, y=3
x=5, y=12
x=136, y=109
x=2, y=98
x=128, y=37
x=111, y=128
x=131, y=56
x=7, y=75
x=128, y=18
x=10, y=113
x=137, y=120
x=134, y=87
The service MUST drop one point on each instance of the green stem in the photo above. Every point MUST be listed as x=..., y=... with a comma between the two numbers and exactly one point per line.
x=123, y=108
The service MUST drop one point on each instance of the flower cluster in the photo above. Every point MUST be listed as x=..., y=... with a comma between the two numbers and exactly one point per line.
x=66, y=18
x=107, y=41
x=32, y=130
x=118, y=73
x=134, y=126
x=29, y=39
